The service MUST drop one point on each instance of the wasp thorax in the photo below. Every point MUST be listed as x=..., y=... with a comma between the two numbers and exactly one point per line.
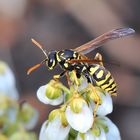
x=52, y=61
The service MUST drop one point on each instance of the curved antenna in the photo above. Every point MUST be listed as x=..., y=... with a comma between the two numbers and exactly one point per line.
x=41, y=63
x=33, y=68
x=39, y=46
x=30, y=70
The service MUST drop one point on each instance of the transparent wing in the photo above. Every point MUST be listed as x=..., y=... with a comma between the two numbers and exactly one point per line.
x=97, y=42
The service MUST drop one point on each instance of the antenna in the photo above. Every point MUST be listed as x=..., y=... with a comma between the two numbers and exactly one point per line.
x=39, y=46
x=35, y=67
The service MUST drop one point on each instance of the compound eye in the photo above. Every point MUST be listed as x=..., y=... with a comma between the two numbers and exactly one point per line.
x=52, y=60
x=51, y=64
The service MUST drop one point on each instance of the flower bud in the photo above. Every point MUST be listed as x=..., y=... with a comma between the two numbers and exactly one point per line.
x=76, y=104
x=79, y=115
x=51, y=93
x=60, y=114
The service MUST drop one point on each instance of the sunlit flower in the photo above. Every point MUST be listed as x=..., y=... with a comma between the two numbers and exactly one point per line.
x=103, y=129
x=54, y=130
x=79, y=115
x=41, y=94
x=106, y=105
x=7, y=85
x=113, y=132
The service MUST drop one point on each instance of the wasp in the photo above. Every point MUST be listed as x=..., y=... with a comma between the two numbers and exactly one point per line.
x=75, y=59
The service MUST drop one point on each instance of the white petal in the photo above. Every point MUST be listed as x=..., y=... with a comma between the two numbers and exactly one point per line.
x=90, y=136
x=12, y=93
x=43, y=98
x=102, y=136
x=7, y=77
x=83, y=85
x=113, y=133
x=82, y=121
x=54, y=130
x=32, y=122
x=7, y=86
x=106, y=107
x=87, y=136
x=12, y=114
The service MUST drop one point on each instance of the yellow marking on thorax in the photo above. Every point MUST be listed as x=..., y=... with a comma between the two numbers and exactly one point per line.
x=92, y=70
x=66, y=65
x=100, y=74
x=74, y=55
x=58, y=58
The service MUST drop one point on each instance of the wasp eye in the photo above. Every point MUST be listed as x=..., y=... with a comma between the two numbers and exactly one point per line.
x=52, y=60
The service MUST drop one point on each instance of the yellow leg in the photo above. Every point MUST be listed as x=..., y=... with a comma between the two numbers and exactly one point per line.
x=96, y=99
x=75, y=78
x=98, y=56
x=56, y=76
x=68, y=78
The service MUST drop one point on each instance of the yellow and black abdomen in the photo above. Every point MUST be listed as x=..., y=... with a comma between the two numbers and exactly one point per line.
x=102, y=78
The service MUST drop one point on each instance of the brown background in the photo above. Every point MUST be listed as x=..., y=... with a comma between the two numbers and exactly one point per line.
x=60, y=24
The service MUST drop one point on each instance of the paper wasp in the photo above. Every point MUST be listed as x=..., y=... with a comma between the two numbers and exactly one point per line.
x=92, y=69
x=75, y=59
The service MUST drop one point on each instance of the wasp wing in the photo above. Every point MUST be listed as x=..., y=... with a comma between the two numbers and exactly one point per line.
x=97, y=42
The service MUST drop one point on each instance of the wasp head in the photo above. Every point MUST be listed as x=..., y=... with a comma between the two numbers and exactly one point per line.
x=52, y=60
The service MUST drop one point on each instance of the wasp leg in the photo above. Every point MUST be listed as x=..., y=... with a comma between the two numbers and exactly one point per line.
x=99, y=57
x=75, y=78
x=96, y=98
x=68, y=78
x=56, y=77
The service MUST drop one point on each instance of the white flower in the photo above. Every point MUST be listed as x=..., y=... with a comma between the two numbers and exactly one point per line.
x=12, y=114
x=54, y=130
x=81, y=121
x=110, y=129
x=41, y=94
x=32, y=122
x=113, y=132
x=91, y=136
x=106, y=106
x=7, y=84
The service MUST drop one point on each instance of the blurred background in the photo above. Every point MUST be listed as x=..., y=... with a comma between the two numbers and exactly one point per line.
x=60, y=24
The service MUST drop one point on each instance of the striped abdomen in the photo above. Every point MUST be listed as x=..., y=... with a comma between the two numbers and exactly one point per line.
x=102, y=78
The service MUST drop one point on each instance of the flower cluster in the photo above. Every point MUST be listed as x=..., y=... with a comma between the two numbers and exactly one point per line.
x=7, y=84
x=82, y=114
x=15, y=118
